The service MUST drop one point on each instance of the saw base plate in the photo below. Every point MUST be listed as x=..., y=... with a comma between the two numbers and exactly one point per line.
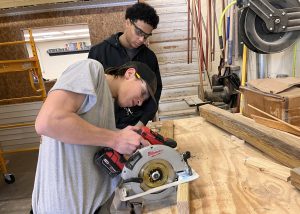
x=183, y=177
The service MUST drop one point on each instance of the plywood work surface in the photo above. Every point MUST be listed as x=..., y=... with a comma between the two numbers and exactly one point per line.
x=226, y=184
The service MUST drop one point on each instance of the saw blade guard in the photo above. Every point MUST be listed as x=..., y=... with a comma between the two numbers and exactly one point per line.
x=153, y=166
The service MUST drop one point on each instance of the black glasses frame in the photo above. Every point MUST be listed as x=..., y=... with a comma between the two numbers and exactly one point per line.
x=139, y=31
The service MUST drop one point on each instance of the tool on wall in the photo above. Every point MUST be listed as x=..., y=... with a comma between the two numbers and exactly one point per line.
x=152, y=172
x=269, y=26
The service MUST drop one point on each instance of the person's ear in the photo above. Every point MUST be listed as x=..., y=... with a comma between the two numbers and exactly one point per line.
x=129, y=73
x=127, y=23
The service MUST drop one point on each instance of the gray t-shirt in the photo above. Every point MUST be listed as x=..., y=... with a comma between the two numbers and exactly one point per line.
x=67, y=179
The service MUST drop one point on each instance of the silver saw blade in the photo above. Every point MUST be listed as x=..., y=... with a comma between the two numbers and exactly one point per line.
x=155, y=166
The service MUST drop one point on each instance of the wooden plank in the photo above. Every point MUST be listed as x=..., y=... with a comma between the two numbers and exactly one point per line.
x=183, y=85
x=295, y=177
x=269, y=167
x=183, y=199
x=226, y=185
x=20, y=107
x=283, y=147
x=172, y=9
x=174, y=67
x=20, y=3
x=169, y=93
x=170, y=27
x=172, y=35
x=178, y=112
x=169, y=46
x=165, y=128
x=165, y=58
x=274, y=124
x=174, y=105
x=180, y=79
x=275, y=118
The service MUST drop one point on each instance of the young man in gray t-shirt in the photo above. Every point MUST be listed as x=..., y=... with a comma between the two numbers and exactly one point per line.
x=77, y=120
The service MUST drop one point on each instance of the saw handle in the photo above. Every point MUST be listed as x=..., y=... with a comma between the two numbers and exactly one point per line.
x=154, y=138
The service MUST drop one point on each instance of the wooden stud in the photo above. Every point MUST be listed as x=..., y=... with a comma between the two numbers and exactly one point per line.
x=183, y=199
x=269, y=167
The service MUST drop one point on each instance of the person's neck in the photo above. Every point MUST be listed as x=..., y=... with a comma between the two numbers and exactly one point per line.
x=113, y=84
x=124, y=41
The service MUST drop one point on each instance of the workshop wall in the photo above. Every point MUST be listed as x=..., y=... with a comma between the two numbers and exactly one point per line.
x=102, y=23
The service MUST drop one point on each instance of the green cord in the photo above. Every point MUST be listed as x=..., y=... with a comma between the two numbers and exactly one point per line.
x=222, y=17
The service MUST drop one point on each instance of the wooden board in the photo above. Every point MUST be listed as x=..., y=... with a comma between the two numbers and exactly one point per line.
x=281, y=146
x=269, y=167
x=274, y=124
x=226, y=184
x=20, y=3
x=295, y=177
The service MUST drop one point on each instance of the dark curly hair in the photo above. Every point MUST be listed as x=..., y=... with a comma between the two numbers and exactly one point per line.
x=143, y=12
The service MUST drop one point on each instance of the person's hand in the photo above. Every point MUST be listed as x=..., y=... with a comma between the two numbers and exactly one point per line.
x=127, y=141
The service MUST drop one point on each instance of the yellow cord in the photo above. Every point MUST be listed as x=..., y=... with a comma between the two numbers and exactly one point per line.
x=244, y=75
x=222, y=17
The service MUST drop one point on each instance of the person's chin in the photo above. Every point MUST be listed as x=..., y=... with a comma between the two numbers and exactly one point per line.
x=135, y=45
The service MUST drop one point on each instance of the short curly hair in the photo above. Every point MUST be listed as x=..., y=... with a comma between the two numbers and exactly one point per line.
x=143, y=12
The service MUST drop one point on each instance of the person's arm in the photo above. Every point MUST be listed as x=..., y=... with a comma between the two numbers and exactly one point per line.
x=58, y=119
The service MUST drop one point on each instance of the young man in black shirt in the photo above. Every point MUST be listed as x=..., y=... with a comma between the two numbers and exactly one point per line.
x=140, y=20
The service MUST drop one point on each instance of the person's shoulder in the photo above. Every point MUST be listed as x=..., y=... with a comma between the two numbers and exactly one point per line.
x=92, y=64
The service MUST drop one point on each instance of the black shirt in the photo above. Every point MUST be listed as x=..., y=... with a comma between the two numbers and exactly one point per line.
x=111, y=53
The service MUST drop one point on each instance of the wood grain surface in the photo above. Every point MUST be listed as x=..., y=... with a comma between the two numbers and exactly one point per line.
x=226, y=184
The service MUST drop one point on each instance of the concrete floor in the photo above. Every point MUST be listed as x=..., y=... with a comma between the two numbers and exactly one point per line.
x=16, y=198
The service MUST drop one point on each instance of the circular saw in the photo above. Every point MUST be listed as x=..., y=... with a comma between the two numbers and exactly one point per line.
x=269, y=26
x=153, y=172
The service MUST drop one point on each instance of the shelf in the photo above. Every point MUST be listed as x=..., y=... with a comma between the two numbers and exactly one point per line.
x=68, y=52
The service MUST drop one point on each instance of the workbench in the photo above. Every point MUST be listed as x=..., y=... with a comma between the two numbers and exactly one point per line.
x=226, y=184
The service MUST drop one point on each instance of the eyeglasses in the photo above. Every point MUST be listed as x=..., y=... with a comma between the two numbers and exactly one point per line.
x=140, y=32
x=144, y=91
